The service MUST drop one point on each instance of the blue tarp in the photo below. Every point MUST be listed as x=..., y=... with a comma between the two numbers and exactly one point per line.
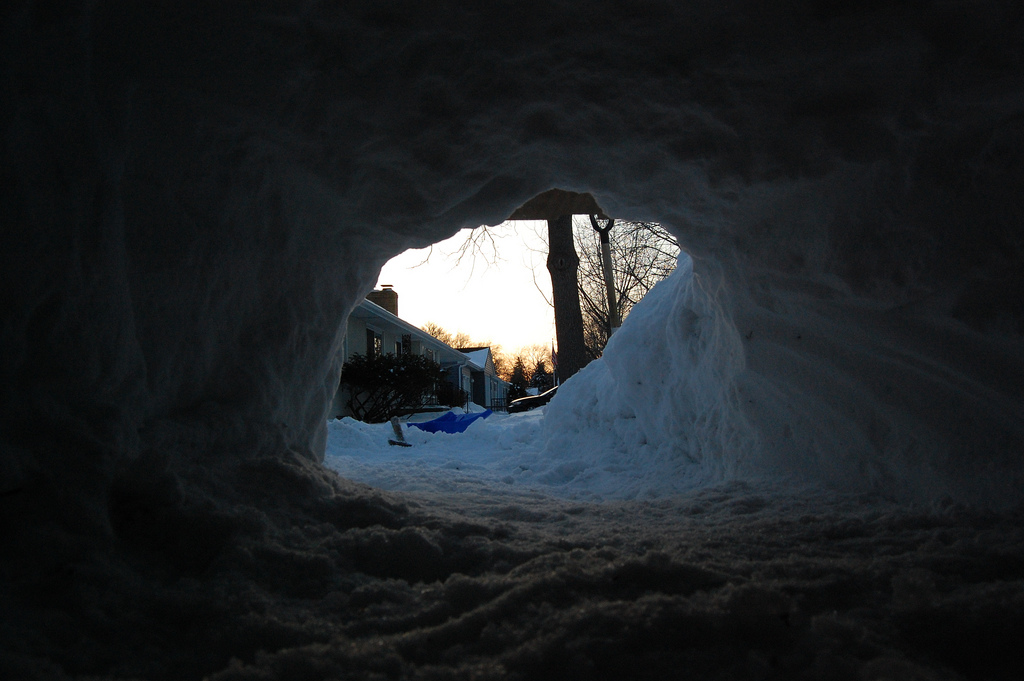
x=451, y=422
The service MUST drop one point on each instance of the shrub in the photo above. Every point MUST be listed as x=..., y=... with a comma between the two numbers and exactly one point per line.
x=389, y=385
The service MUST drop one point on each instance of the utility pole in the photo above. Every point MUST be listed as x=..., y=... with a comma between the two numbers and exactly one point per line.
x=609, y=276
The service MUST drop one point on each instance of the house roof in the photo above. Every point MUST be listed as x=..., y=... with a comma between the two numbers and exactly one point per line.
x=369, y=310
x=477, y=356
x=478, y=360
x=474, y=358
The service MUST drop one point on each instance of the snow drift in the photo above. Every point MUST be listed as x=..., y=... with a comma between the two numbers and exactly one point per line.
x=826, y=391
x=663, y=398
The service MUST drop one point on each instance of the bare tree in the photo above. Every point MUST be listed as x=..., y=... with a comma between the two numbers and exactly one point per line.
x=533, y=355
x=438, y=332
x=527, y=358
x=459, y=339
x=479, y=243
x=643, y=253
x=557, y=206
x=563, y=265
x=502, y=362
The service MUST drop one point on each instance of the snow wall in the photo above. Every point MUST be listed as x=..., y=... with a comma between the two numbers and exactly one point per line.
x=195, y=195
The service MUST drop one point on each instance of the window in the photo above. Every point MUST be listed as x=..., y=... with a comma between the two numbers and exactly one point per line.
x=374, y=343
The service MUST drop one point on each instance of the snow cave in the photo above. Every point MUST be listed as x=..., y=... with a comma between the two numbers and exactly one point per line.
x=800, y=457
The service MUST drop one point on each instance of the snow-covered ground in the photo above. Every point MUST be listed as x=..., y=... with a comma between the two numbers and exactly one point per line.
x=597, y=568
x=501, y=454
x=664, y=516
x=490, y=456
x=678, y=402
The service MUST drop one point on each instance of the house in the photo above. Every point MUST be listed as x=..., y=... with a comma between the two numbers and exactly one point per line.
x=375, y=327
x=486, y=387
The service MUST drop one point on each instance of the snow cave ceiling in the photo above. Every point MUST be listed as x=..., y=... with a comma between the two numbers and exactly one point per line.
x=195, y=195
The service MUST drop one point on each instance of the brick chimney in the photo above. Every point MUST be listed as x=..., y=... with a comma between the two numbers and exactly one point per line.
x=386, y=297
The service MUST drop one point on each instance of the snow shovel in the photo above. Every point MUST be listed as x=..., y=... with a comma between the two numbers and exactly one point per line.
x=399, y=440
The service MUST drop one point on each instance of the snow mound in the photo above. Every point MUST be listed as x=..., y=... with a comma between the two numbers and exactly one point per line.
x=661, y=403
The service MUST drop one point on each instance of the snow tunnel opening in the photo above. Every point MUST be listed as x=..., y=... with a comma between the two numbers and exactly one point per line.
x=487, y=288
x=411, y=311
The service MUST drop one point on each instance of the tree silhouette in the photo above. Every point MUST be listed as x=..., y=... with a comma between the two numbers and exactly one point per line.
x=643, y=253
x=517, y=381
x=541, y=378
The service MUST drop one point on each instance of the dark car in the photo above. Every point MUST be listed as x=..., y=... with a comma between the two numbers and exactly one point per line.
x=532, y=401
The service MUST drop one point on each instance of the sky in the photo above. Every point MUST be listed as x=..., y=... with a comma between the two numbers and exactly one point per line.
x=497, y=292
